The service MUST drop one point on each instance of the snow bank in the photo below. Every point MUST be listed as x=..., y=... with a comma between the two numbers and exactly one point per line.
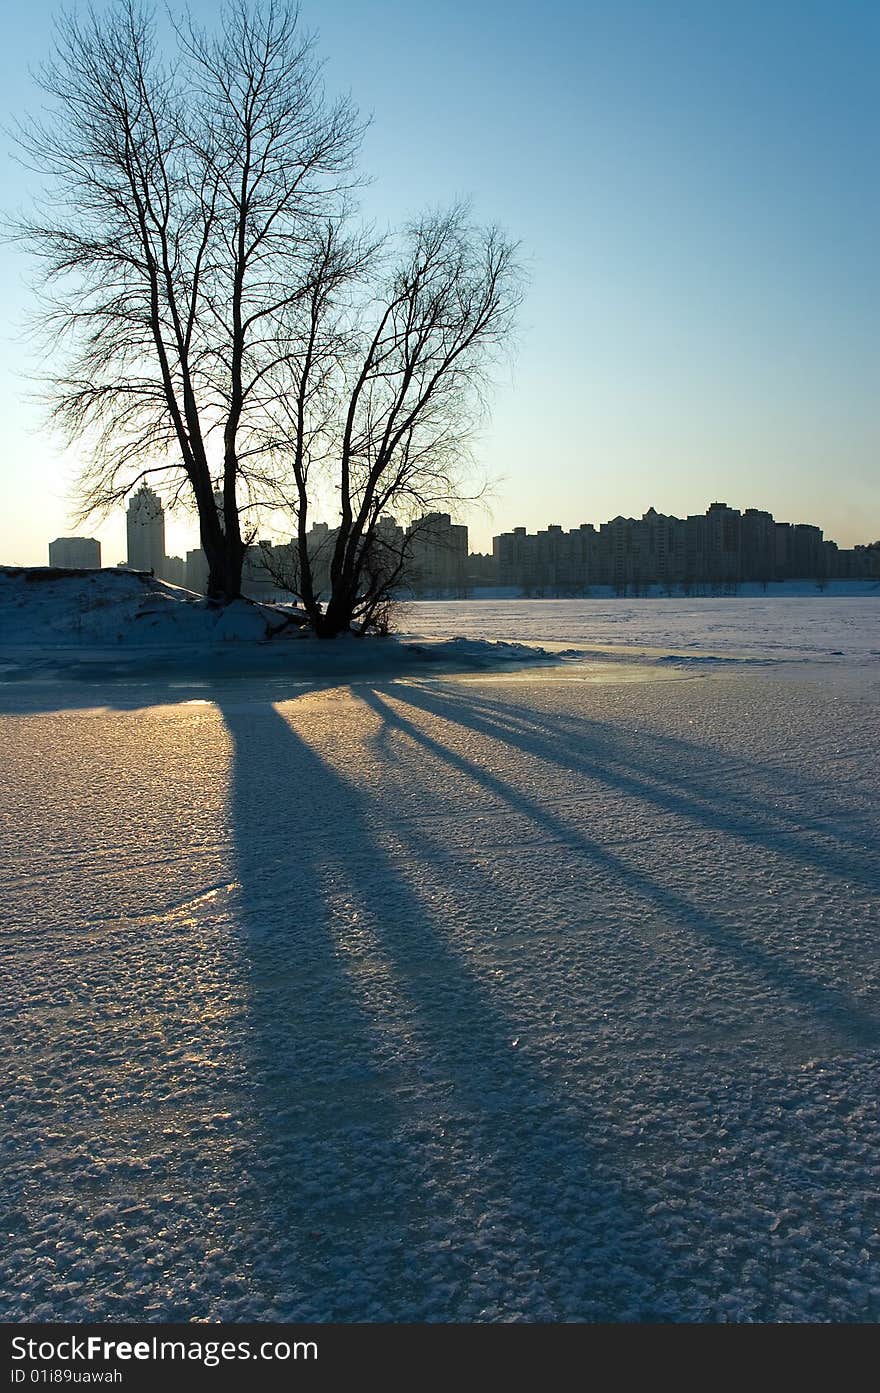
x=111, y=623
x=75, y=609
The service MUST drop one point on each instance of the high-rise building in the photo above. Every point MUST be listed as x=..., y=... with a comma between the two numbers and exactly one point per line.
x=75, y=553
x=719, y=548
x=438, y=552
x=257, y=580
x=173, y=569
x=758, y=536
x=145, y=527
x=723, y=543
x=196, y=571
x=509, y=552
x=808, y=554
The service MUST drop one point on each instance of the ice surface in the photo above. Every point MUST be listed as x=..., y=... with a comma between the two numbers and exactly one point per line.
x=503, y=997
x=795, y=626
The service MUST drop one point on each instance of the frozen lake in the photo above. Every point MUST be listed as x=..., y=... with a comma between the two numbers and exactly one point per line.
x=798, y=626
x=501, y=997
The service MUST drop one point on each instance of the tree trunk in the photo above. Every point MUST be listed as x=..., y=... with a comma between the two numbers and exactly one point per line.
x=223, y=553
x=337, y=617
x=224, y=582
x=306, y=581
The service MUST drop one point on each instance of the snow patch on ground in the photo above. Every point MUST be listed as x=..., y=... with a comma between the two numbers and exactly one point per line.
x=107, y=624
x=111, y=608
x=483, y=651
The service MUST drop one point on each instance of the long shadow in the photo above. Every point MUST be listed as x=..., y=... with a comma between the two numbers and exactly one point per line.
x=828, y=1004
x=413, y=1163
x=643, y=766
x=89, y=688
x=321, y=1079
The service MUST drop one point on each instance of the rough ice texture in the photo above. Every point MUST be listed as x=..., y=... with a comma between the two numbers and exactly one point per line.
x=504, y=998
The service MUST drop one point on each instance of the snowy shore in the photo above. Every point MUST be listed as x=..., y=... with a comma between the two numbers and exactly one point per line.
x=527, y=994
x=116, y=626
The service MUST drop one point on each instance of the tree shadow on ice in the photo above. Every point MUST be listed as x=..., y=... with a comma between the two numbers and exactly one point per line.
x=691, y=780
x=122, y=691
x=411, y=1162
x=595, y=754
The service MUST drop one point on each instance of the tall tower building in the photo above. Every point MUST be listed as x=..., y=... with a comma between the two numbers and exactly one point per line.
x=145, y=526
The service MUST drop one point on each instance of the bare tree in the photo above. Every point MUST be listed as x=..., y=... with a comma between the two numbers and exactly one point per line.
x=187, y=210
x=385, y=397
x=220, y=323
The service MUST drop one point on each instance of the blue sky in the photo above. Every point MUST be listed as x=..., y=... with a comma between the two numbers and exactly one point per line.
x=695, y=189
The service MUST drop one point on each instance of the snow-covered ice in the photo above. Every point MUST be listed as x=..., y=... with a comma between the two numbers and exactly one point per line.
x=841, y=624
x=515, y=995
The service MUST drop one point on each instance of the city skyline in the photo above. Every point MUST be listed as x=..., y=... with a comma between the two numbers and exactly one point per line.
x=183, y=534
x=699, y=224
x=721, y=546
